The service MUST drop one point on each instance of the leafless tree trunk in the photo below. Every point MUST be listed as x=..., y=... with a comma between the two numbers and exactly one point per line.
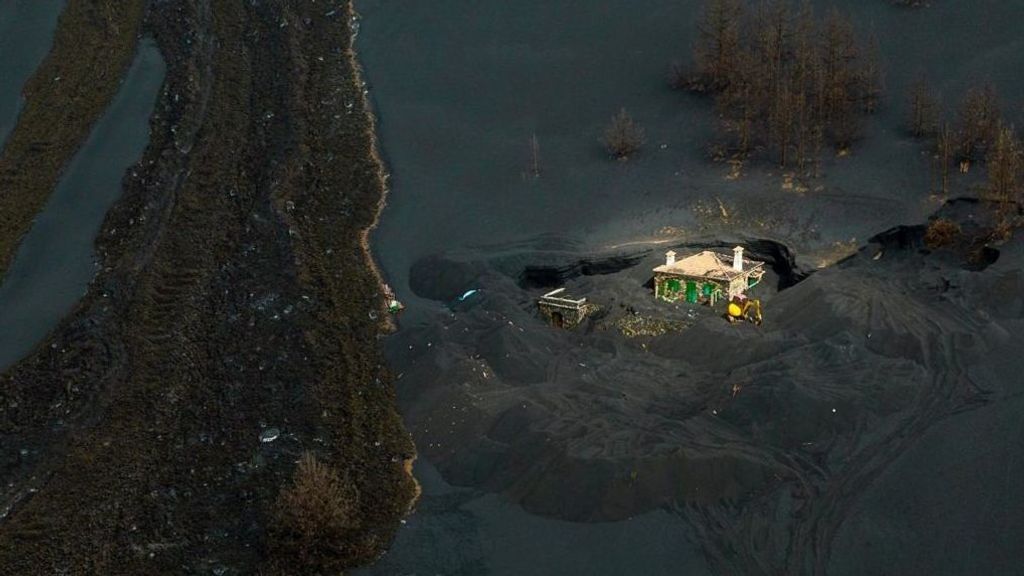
x=788, y=82
x=839, y=53
x=871, y=76
x=784, y=122
x=1004, y=178
x=535, y=156
x=945, y=145
x=924, y=109
x=978, y=122
x=719, y=41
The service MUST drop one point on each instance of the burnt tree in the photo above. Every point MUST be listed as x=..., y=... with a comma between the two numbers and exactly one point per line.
x=977, y=123
x=1003, y=189
x=623, y=136
x=787, y=84
x=945, y=150
x=719, y=42
x=923, y=116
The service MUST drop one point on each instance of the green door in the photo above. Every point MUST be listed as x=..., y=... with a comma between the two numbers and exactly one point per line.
x=672, y=287
x=691, y=292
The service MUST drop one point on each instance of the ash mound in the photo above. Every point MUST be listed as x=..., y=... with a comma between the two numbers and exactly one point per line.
x=442, y=279
x=590, y=424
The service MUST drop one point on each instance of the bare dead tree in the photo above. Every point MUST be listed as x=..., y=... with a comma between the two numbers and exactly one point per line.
x=872, y=76
x=1003, y=189
x=945, y=148
x=805, y=48
x=818, y=142
x=719, y=41
x=805, y=72
x=783, y=123
x=739, y=104
x=839, y=78
x=923, y=118
x=978, y=122
x=789, y=83
x=623, y=136
x=678, y=76
x=804, y=131
x=535, y=155
x=772, y=36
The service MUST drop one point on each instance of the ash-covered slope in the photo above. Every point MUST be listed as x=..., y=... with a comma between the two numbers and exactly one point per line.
x=763, y=437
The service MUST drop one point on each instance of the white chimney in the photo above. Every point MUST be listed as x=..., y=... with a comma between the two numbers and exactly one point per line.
x=670, y=258
x=737, y=258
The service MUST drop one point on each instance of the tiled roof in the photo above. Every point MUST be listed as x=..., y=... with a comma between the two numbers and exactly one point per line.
x=711, y=265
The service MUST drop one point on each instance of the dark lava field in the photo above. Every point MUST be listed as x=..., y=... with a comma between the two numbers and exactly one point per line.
x=868, y=427
x=201, y=203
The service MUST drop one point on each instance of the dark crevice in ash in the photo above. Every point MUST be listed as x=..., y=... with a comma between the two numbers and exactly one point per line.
x=553, y=276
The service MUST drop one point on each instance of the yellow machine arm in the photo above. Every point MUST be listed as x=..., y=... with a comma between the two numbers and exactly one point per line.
x=754, y=311
x=745, y=309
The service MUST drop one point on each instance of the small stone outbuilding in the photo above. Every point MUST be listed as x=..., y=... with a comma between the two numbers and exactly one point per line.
x=562, y=311
x=707, y=277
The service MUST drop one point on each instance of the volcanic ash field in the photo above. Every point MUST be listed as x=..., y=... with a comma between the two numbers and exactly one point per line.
x=793, y=418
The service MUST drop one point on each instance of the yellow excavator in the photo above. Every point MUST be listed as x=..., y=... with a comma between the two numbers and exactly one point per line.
x=743, y=308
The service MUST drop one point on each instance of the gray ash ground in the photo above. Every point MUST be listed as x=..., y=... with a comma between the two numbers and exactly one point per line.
x=916, y=352
x=762, y=437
